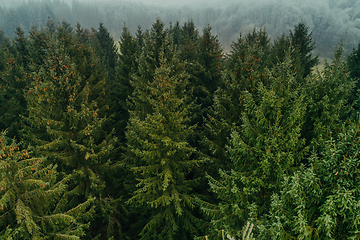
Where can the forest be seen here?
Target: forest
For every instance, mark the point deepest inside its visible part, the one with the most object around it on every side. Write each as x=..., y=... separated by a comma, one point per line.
x=330, y=21
x=163, y=135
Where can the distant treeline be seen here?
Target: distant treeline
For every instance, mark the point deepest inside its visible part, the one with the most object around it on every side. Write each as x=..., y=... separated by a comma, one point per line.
x=330, y=21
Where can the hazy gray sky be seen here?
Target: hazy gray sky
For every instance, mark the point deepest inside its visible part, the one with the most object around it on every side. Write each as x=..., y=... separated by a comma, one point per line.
x=172, y=2
x=199, y=3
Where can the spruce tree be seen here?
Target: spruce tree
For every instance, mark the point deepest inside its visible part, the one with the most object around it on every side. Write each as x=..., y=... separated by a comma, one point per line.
x=29, y=197
x=65, y=125
x=320, y=201
x=266, y=148
x=208, y=77
x=245, y=70
x=160, y=156
x=328, y=93
x=13, y=83
x=302, y=44
x=106, y=51
x=121, y=88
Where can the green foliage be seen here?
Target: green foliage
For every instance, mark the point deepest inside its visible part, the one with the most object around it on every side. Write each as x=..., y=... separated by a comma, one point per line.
x=64, y=124
x=106, y=51
x=302, y=44
x=160, y=156
x=245, y=71
x=13, y=82
x=182, y=110
x=29, y=195
x=267, y=148
x=320, y=201
x=353, y=64
x=328, y=93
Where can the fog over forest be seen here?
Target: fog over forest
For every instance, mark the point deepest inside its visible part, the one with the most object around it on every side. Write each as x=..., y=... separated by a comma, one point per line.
x=329, y=20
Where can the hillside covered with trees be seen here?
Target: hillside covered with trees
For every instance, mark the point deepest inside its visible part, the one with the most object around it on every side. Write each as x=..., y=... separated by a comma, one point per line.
x=164, y=136
x=330, y=21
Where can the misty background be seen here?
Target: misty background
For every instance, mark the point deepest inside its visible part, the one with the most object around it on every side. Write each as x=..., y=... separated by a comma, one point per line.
x=330, y=21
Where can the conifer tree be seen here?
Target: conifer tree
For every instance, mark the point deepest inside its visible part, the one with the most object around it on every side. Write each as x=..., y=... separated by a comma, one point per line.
x=301, y=42
x=280, y=49
x=106, y=51
x=148, y=61
x=208, y=77
x=65, y=125
x=13, y=83
x=161, y=158
x=328, y=93
x=320, y=201
x=353, y=64
x=29, y=197
x=245, y=70
x=267, y=147
x=121, y=88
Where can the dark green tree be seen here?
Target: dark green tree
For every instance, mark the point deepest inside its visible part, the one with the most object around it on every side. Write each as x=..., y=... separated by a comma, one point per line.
x=353, y=65
x=161, y=158
x=303, y=46
x=266, y=148
x=29, y=197
x=245, y=71
x=320, y=201
x=65, y=125
x=121, y=88
x=106, y=51
x=327, y=93
x=15, y=60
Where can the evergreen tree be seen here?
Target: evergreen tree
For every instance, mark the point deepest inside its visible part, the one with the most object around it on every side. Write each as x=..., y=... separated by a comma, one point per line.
x=320, y=201
x=267, y=148
x=209, y=74
x=245, y=70
x=106, y=51
x=122, y=88
x=29, y=198
x=148, y=61
x=328, y=93
x=13, y=83
x=66, y=127
x=280, y=49
x=301, y=42
x=353, y=64
x=161, y=158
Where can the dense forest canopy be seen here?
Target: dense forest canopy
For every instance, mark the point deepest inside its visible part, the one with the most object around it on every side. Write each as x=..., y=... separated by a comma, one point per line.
x=329, y=20
x=162, y=134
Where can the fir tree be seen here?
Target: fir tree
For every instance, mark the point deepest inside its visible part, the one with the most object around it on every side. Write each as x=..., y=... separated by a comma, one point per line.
x=353, y=64
x=208, y=80
x=161, y=158
x=122, y=88
x=280, y=49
